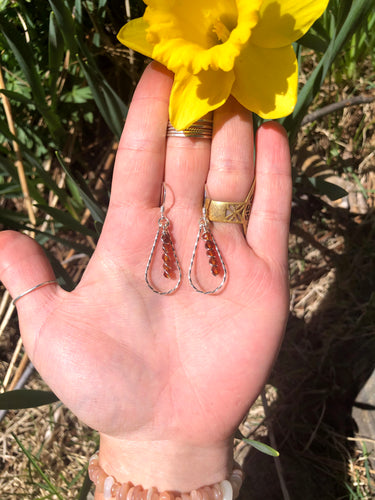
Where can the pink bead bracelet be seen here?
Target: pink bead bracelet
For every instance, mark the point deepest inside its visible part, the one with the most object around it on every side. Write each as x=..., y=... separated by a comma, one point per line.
x=110, y=488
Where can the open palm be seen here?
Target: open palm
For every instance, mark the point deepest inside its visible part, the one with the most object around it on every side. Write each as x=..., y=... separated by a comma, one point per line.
x=137, y=365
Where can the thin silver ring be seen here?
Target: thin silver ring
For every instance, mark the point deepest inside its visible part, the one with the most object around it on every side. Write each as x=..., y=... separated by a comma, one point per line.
x=40, y=285
x=201, y=129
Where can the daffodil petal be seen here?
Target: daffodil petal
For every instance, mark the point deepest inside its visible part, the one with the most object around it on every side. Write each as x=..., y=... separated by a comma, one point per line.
x=134, y=36
x=282, y=22
x=266, y=81
x=193, y=96
x=199, y=34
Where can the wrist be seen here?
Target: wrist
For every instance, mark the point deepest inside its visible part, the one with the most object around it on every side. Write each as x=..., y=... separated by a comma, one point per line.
x=165, y=465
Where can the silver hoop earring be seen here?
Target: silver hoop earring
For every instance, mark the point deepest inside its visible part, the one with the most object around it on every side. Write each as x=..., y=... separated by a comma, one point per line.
x=214, y=257
x=170, y=267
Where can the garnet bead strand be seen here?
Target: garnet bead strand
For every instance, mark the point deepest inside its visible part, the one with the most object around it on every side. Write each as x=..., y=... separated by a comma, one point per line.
x=167, y=257
x=212, y=253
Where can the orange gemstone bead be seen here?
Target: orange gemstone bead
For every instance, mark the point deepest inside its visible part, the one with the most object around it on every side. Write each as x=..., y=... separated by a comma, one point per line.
x=215, y=270
x=166, y=238
x=167, y=256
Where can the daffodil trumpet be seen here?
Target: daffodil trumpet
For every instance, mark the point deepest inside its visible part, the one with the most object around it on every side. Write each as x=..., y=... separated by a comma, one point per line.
x=218, y=48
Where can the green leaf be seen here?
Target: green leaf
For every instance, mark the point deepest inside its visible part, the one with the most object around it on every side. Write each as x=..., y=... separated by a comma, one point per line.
x=264, y=448
x=65, y=281
x=314, y=42
x=87, y=197
x=111, y=107
x=18, y=222
x=12, y=219
x=67, y=220
x=25, y=57
x=78, y=247
x=78, y=95
x=4, y=4
x=318, y=29
x=86, y=487
x=19, y=399
x=16, y=96
x=333, y=191
x=78, y=10
x=66, y=23
x=56, y=50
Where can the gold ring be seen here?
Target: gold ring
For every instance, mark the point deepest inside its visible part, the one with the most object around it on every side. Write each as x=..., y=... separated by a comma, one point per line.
x=231, y=212
x=201, y=129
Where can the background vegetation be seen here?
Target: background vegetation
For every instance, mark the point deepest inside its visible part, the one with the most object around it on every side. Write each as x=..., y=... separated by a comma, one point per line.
x=65, y=84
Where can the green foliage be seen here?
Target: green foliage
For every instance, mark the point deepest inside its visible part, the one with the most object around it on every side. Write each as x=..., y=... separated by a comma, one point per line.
x=343, y=39
x=56, y=58
x=18, y=399
x=331, y=33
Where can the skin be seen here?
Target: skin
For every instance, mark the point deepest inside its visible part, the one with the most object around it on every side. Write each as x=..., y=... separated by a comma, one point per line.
x=166, y=379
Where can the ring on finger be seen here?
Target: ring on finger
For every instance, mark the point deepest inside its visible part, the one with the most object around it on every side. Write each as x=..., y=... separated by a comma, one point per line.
x=36, y=287
x=231, y=212
x=201, y=129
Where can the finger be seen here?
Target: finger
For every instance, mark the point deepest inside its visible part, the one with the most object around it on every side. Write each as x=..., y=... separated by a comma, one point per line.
x=139, y=166
x=231, y=167
x=186, y=166
x=23, y=265
x=269, y=220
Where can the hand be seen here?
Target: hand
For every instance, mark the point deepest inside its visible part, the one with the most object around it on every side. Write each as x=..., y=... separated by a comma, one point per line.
x=172, y=376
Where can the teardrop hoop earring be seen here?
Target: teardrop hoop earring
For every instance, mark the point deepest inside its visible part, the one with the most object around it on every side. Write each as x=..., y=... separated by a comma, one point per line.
x=214, y=256
x=170, y=263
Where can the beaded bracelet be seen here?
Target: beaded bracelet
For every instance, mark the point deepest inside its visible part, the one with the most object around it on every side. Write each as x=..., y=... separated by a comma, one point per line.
x=225, y=490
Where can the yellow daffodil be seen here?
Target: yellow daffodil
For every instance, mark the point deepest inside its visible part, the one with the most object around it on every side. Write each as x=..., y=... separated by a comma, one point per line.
x=221, y=47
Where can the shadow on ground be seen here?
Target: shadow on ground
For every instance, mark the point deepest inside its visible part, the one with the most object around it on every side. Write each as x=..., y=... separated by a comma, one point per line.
x=323, y=364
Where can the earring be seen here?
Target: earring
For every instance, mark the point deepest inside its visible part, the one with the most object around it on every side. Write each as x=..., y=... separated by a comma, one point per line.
x=215, y=260
x=170, y=264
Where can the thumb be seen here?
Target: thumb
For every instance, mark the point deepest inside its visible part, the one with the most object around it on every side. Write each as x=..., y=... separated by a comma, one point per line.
x=23, y=265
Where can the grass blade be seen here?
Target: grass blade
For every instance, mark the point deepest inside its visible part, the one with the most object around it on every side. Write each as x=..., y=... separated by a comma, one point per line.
x=85, y=490
x=264, y=448
x=48, y=485
x=88, y=199
x=24, y=55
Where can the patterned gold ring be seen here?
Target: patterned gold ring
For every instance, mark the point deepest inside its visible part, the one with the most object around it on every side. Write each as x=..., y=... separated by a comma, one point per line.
x=231, y=212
